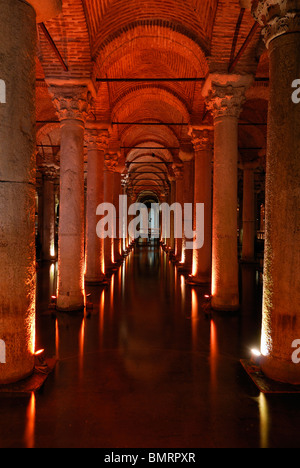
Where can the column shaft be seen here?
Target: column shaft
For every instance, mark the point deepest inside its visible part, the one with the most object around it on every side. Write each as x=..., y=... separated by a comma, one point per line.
x=248, y=252
x=225, y=95
x=17, y=190
x=202, y=257
x=97, y=143
x=281, y=318
x=71, y=222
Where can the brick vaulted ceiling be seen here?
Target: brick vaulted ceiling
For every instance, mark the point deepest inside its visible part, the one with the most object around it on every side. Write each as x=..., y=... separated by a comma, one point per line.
x=153, y=39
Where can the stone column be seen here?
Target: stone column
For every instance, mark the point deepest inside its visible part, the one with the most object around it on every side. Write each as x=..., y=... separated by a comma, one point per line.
x=72, y=108
x=248, y=248
x=178, y=172
x=17, y=189
x=281, y=314
x=97, y=143
x=50, y=175
x=111, y=162
x=225, y=95
x=202, y=258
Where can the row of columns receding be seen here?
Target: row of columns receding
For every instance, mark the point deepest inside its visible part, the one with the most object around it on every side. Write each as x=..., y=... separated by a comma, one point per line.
x=225, y=96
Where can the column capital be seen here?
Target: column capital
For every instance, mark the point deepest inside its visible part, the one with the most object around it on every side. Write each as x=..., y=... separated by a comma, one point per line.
x=111, y=160
x=178, y=171
x=225, y=94
x=50, y=171
x=46, y=9
x=202, y=139
x=97, y=139
x=278, y=17
x=71, y=102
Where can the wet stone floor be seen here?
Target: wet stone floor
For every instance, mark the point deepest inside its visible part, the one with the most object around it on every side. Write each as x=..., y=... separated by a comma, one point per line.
x=149, y=367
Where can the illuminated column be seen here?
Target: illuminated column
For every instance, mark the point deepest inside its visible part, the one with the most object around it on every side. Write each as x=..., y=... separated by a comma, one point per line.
x=248, y=251
x=17, y=189
x=202, y=257
x=178, y=172
x=97, y=142
x=111, y=162
x=72, y=105
x=225, y=95
x=187, y=156
x=125, y=240
x=117, y=241
x=281, y=314
x=50, y=175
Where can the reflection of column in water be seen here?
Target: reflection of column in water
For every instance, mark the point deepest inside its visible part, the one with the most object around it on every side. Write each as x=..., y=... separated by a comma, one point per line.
x=101, y=318
x=264, y=421
x=81, y=347
x=183, y=292
x=194, y=319
x=213, y=356
x=29, y=436
x=112, y=290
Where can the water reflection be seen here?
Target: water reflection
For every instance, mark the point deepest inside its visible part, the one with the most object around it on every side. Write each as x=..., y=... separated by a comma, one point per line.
x=29, y=437
x=264, y=421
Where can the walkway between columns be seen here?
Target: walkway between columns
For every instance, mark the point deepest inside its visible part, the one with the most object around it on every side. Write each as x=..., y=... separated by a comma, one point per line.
x=148, y=369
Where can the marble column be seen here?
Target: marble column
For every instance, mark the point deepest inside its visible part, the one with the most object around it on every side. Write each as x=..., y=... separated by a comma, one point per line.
x=72, y=104
x=248, y=247
x=97, y=143
x=111, y=162
x=17, y=190
x=225, y=95
x=202, y=257
x=50, y=175
x=281, y=314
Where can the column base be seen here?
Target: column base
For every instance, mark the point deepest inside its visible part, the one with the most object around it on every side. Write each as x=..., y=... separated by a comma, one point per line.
x=70, y=303
x=281, y=370
x=199, y=280
x=95, y=280
x=225, y=304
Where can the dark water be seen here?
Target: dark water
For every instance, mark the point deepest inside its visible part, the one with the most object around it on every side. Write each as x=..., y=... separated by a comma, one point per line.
x=148, y=367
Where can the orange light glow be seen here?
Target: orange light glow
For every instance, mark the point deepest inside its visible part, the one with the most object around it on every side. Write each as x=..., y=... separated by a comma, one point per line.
x=30, y=422
x=38, y=353
x=56, y=339
x=81, y=346
x=194, y=318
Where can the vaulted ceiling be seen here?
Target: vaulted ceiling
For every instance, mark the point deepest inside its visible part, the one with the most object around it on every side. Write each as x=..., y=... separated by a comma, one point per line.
x=157, y=41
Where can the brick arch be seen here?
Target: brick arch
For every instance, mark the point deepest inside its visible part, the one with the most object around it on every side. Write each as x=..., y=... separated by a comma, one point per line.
x=106, y=17
x=131, y=134
x=160, y=37
x=161, y=104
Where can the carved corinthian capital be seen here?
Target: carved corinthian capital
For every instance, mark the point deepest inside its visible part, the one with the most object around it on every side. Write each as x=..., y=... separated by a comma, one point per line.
x=71, y=103
x=97, y=139
x=178, y=171
x=202, y=140
x=111, y=161
x=225, y=94
x=277, y=16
